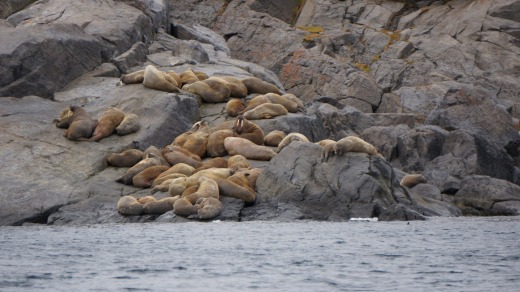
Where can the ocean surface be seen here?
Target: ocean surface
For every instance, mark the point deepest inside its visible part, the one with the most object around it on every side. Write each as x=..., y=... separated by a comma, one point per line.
x=440, y=254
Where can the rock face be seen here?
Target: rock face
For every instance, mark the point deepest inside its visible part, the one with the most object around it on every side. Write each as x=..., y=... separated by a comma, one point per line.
x=82, y=35
x=433, y=85
x=349, y=186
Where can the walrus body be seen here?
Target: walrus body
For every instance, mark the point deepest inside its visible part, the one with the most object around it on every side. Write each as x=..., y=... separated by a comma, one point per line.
x=151, y=160
x=133, y=78
x=236, y=87
x=209, y=208
x=248, y=149
x=127, y=158
x=248, y=130
x=107, y=123
x=291, y=137
x=257, y=85
x=349, y=144
x=411, y=180
x=144, y=179
x=130, y=124
x=156, y=79
x=274, y=138
x=65, y=119
x=81, y=125
x=265, y=111
x=128, y=205
x=215, y=146
x=235, y=106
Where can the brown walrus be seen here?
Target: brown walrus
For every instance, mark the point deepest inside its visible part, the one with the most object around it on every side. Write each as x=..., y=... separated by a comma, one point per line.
x=411, y=180
x=127, y=158
x=235, y=106
x=237, y=88
x=81, y=125
x=151, y=160
x=209, y=208
x=159, y=80
x=274, y=138
x=207, y=187
x=133, y=78
x=248, y=130
x=159, y=207
x=130, y=124
x=107, y=123
x=215, y=146
x=257, y=85
x=65, y=119
x=348, y=144
x=266, y=111
x=144, y=179
x=291, y=137
x=248, y=149
x=128, y=205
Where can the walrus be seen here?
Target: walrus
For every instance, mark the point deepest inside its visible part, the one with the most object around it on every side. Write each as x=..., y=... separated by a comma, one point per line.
x=238, y=188
x=177, y=186
x=411, y=180
x=127, y=158
x=219, y=85
x=274, y=138
x=235, y=106
x=183, y=207
x=175, y=76
x=159, y=207
x=151, y=160
x=215, y=146
x=257, y=85
x=183, y=137
x=133, y=78
x=162, y=186
x=252, y=176
x=197, y=142
x=156, y=79
x=209, y=208
x=248, y=130
x=350, y=144
x=237, y=88
x=188, y=77
x=130, y=124
x=248, y=149
x=175, y=148
x=291, y=137
x=294, y=99
x=153, y=149
x=209, y=173
x=81, y=125
x=144, y=178
x=206, y=91
x=146, y=199
x=207, y=187
x=290, y=105
x=256, y=101
x=128, y=205
x=161, y=179
x=266, y=111
x=217, y=162
x=236, y=162
x=179, y=168
x=107, y=123
x=175, y=157
x=325, y=142
x=328, y=150
x=65, y=119
x=201, y=75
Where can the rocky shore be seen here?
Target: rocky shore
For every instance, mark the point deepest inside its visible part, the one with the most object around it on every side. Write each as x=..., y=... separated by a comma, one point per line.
x=433, y=85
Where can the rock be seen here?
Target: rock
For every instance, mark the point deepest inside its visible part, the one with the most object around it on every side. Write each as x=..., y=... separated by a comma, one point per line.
x=487, y=196
x=464, y=154
x=133, y=57
x=9, y=7
x=201, y=34
x=319, y=190
x=62, y=172
x=42, y=51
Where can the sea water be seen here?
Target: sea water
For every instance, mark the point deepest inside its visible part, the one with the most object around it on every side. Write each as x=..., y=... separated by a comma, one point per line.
x=440, y=254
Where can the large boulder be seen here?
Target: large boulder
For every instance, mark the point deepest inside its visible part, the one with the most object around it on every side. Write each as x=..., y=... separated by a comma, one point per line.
x=486, y=196
x=53, y=42
x=351, y=185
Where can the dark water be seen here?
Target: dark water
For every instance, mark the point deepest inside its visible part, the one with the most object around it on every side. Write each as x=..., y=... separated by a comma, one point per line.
x=443, y=254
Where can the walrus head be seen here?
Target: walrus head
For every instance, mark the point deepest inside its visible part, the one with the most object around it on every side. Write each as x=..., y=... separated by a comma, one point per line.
x=239, y=124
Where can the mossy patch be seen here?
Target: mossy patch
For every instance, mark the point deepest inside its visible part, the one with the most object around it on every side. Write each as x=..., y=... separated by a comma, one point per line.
x=363, y=67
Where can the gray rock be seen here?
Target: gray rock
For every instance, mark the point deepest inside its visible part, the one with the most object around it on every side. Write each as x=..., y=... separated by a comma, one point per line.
x=56, y=41
x=201, y=34
x=326, y=191
x=134, y=56
x=486, y=196
x=9, y=7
